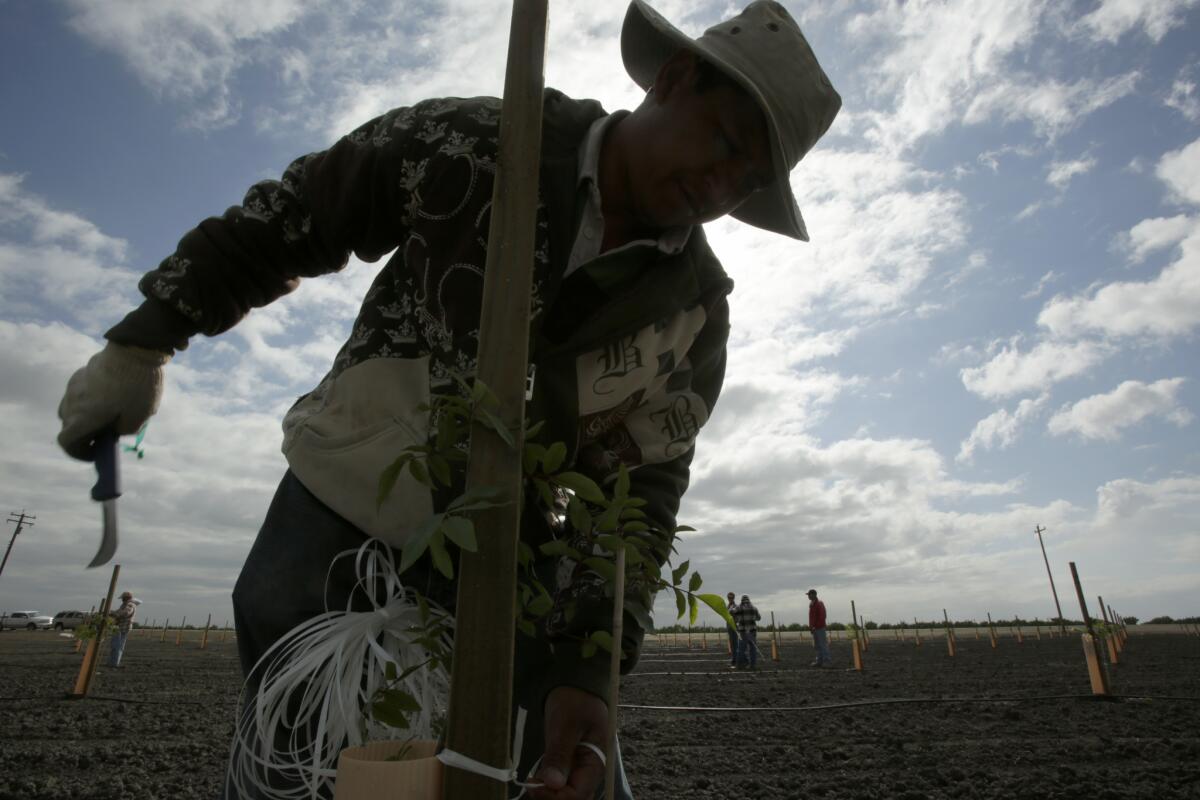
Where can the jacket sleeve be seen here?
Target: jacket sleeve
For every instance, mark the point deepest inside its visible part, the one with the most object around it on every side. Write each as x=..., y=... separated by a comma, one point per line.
x=355, y=197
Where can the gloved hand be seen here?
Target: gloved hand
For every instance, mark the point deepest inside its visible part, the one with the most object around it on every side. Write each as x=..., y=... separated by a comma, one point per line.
x=118, y=388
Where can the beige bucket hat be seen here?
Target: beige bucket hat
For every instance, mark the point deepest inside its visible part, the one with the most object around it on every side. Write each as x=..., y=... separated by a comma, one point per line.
x=764, y=52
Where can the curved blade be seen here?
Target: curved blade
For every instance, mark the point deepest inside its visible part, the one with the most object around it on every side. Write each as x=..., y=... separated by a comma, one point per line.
x=106, y=491
x=108, y=542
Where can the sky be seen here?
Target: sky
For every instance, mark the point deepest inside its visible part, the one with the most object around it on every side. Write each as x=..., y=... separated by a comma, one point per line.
x=988, y=332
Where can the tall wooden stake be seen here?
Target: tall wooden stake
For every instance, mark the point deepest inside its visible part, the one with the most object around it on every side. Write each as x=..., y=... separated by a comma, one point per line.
x=92, y=655
x=949, y=634
x=1091, y=645
x=1061, y=622
x=479, y=724
x=204, y=639
x=614, y=685
x=163, y=637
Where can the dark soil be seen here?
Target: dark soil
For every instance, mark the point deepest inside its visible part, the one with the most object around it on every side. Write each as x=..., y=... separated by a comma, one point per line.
x=1016, y=722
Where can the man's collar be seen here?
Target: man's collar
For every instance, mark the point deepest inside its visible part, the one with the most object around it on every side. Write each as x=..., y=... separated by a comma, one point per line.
x=670, y=240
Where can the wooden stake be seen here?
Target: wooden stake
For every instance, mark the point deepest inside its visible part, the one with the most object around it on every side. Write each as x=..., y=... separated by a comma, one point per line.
x=855, y=646
x=917, y=631
x=774, y=639
x=1091, y=646
x=614, y=685
x=163, y=637
x=204, y=639
x=949, y=634
x=992, y=630
x=91, y=656
x=479, y=723
x=862, y=627
x=179, y=632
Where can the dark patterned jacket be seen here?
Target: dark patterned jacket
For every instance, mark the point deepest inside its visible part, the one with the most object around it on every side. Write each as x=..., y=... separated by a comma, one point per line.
x=628, y=352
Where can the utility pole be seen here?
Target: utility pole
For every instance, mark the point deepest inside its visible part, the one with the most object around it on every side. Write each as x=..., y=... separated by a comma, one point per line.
x=1062, y=624
x=22, y=521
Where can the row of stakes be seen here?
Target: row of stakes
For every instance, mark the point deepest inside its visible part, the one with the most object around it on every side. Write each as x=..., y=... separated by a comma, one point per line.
x=91, y=657
x=1113, y=638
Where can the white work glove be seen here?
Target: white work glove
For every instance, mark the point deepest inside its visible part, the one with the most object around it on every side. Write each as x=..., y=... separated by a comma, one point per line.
x=118, y=388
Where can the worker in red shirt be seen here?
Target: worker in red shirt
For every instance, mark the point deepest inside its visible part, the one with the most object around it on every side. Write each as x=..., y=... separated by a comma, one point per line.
x=816, y=624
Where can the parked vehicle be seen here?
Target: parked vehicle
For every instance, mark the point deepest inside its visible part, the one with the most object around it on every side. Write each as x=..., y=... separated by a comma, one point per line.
x=29, y=620
x=69, y=620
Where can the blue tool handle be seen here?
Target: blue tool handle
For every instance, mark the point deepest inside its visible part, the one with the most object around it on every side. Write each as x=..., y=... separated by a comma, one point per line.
x=108, y=475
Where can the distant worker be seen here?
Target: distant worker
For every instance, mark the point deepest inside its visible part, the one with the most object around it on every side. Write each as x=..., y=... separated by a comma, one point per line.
x=747, y=618
x=731, y=630
x=816, y=624
x=123, y=617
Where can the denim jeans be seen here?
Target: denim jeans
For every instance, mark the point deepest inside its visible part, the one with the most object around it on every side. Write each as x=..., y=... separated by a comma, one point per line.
x=821, y=643
x=748, y=648
x=116, y=648
x=284, y=582
x=733, y=645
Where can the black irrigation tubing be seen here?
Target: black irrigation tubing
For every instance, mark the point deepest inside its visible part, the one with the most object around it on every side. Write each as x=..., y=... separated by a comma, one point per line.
x=904, y=700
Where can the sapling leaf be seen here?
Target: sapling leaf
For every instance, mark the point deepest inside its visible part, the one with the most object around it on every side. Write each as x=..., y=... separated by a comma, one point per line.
x=384, y=713
x=717, y=604
x=694, y=582
x=559, y=547
x=389, y=671
x=581, y=485
x=530, y=456
x=526, y=627
x=544, y=492
x=400, y=700
x=622, y=488
x=555, y=454
x=587, y=650
x=680, y=603
x=480, y=392
x=540, y=605
x=693, y=609
x=418, y=541
x=417, y=469
x=534, y=429
x=603, y=640
x=388, y=478
x=440, y=468
x=678, y=573
x=441, y=558
x=682, y=528
x=461, y=531
x=579, y=516
x=629, y=512
x=610, y=542
x=636, y=526
x=602, y=567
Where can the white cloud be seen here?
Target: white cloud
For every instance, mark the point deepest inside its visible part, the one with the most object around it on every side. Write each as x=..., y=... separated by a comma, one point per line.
x=187, y=52
x=1114, y=18
x=1011, y=372
x=1183, y=98
x=1060, y=173
x=1164, y=307
x=1150, y=235
x=1180, y=170
x=1105, y=416
x=1052, y=106
x=999, y=430
x=1044, y=281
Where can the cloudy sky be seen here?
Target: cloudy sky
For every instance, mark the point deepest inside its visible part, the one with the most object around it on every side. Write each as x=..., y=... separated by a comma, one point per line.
x=989, y=331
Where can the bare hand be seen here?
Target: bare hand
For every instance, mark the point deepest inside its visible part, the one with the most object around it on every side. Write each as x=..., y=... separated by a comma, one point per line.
x=568, y=771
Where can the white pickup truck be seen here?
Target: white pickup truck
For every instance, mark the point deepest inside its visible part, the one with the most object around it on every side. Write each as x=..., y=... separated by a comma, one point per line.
x=29, y=620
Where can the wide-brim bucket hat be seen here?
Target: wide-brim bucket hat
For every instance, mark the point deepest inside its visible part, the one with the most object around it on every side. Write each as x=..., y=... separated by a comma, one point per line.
x=764, y=52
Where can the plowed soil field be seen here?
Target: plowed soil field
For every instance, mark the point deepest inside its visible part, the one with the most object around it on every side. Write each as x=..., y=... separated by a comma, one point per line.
x=1017, y=721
